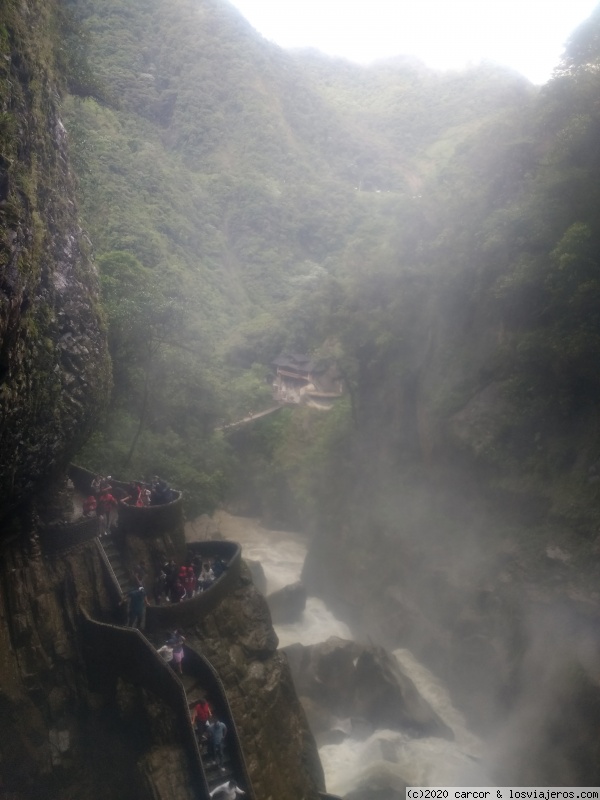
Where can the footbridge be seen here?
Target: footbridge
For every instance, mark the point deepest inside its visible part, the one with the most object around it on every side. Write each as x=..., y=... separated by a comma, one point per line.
x=250, y=417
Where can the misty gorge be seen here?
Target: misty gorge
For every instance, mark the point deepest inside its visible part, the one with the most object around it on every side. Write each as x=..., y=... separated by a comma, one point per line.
x=351, y=315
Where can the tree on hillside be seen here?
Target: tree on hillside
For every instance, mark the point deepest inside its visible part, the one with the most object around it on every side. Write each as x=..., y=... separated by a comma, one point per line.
x=582, y=51
x=143, y=322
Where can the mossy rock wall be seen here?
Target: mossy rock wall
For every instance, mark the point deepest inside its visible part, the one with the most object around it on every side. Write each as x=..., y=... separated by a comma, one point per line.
x=54, y=368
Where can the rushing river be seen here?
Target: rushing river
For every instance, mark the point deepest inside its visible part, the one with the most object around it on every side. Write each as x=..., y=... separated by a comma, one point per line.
x=385, y=758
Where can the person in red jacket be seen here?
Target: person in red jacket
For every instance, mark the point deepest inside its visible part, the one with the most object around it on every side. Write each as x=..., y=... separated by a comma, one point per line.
x=105, y=505
x=201, y=713
x=190, y=582
x=89, y=506
x=134, y=498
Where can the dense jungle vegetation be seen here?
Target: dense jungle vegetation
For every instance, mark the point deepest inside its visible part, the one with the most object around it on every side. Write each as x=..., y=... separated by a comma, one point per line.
x=437, y=235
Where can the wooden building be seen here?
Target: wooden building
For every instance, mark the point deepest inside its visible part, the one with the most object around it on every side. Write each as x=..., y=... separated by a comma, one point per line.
x=298, y=380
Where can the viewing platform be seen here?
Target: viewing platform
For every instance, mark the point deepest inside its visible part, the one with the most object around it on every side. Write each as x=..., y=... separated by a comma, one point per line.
x=145, y=520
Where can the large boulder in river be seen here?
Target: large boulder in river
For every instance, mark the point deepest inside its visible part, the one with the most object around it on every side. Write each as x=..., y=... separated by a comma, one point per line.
x=287, y=604
x=345, y=679
x=258, y=575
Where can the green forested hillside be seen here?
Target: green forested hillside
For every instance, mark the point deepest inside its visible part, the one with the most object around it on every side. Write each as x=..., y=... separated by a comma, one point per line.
x=465, y=317
x=432, y=233
x=190, y=164
x=473, y=340
x=247, y=190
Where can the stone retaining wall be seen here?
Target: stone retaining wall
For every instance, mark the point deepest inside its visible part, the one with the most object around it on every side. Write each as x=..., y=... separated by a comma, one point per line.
x=152, y=520
x=63, y=536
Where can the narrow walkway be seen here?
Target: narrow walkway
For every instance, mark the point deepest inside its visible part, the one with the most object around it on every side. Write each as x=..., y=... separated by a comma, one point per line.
x=122, y=575
x=249, y=418
x=195, y=669
x=195, y=691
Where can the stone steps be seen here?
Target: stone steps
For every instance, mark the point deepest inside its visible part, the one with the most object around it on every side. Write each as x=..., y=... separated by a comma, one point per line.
x=214, y=774
x=122, y=574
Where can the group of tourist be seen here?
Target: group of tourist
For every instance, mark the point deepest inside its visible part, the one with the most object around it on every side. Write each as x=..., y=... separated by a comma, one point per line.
x=174, y=584
x=102, y=503
x=171, y=585
x=209, y=729
x=207, y=726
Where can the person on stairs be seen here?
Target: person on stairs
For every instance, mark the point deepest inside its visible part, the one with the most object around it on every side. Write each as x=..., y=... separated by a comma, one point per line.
x=137, y=607
x=226, y=791
x=166, y=653
x=176, y=641
x=89, y=506
x=201, y=713
x=105, y=505
x=217, y=731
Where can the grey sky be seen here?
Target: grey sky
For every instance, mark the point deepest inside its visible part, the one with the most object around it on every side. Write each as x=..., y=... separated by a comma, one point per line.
x=527, y=35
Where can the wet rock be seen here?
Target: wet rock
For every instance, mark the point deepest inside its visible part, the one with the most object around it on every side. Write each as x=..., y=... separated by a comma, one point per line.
x=345, y=679
x=258, y=575
x=202, y=528
x=57, y=701
x=288, y=604
x=320, y=719
x=165, y=775
x=54, y=366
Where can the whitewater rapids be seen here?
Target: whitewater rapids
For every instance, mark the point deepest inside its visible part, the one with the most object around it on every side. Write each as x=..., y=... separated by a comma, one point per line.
x=383, y=759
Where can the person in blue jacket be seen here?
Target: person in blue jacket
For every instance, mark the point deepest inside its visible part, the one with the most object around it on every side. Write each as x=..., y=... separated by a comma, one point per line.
x=217, y=731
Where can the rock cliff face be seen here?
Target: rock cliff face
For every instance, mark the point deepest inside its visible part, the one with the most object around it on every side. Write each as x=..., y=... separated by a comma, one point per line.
x=54, y=376
x=45, y=693
x=54, y=373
